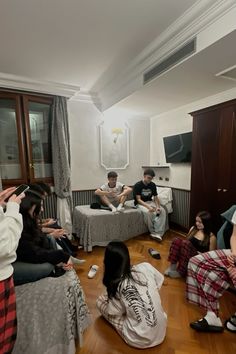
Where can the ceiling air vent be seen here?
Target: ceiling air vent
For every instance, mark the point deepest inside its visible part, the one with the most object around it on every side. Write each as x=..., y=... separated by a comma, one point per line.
x=170, y=61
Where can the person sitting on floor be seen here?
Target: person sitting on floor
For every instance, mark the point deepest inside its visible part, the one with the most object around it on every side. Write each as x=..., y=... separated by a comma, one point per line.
x=209, y=275
x=36, y=253
x=132, y=302
x=200, y=239
x=146, y=199
x=113, y=194
x=10, y=232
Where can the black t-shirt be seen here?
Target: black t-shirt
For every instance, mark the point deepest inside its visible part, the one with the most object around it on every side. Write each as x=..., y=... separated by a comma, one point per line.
x=146, y=191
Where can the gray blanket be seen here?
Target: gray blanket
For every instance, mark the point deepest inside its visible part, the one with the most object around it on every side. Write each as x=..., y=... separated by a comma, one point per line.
x=97, y=227
x=51, y=315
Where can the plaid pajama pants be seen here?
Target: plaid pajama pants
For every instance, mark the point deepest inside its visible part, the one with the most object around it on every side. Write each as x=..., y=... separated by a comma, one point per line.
x=207, y=279
x=7, y=316
x=180, y=252
x=115, y=320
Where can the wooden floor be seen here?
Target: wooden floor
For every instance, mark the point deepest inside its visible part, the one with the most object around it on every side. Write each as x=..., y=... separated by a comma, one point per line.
x=101, y=338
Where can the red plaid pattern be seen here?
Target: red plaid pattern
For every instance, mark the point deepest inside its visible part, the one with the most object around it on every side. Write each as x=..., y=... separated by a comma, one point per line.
x=114, y=320
x=180, y=252
x=7, y=316
x=207, y=279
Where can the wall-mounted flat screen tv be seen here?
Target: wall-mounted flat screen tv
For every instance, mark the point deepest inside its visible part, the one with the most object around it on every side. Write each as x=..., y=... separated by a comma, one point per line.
x=178, y=148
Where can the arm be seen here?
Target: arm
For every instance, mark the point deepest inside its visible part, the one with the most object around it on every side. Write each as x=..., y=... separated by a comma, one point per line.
x=157, y=202
x=233, y=241
x=10, y=222
x=232, y=256
x=101, y=192
x=141, y=202
x=10, y=229
x=190, y=230
x=212, y=242
x=126, y=191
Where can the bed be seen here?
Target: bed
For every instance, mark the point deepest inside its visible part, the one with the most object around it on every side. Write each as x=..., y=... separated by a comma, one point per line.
x=51, y=316
x=97, y=227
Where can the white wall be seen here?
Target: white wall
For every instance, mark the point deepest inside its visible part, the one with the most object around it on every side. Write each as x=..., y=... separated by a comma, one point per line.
x=87, y=173
x=175, y=122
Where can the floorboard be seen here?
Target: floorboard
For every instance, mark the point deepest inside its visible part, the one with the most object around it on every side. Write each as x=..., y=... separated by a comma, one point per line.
x=101, y=338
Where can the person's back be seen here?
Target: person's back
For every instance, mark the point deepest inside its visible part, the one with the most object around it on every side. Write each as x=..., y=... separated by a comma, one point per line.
x=132, y=303
x=145, y=321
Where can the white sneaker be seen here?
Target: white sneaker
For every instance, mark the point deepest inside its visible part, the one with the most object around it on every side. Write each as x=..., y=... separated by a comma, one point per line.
x=156, y=236
x=113, y=210
x=93, y=271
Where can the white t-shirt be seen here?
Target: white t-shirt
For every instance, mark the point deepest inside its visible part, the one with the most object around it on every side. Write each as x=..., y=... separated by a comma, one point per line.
x=145, y=320
x=117, y=190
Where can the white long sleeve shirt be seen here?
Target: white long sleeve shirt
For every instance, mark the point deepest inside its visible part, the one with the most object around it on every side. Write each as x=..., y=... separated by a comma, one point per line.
x=140, y=306
x=10, y=231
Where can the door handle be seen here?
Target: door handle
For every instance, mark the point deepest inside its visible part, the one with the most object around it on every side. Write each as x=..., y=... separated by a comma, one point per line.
x=219, y=189
x=224, y=190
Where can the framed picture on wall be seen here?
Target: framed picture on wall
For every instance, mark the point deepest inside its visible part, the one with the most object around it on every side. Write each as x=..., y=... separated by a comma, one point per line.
x=114, y=146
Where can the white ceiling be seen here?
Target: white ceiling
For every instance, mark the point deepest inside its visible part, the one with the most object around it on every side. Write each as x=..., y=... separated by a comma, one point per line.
x=190, y=81
x=88, y=43
x=80, y=42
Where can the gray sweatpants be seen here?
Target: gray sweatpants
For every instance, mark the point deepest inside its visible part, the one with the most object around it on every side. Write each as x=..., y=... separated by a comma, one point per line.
x=155, y=224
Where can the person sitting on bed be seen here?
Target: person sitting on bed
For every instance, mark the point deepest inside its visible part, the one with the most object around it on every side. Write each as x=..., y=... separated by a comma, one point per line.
x=113, y=194
x=36, y=254
x=51, y=227
x=146, y=199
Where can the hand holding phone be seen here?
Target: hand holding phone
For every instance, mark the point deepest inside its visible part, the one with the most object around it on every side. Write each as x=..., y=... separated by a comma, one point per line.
x=5, y=194
x=17, y=192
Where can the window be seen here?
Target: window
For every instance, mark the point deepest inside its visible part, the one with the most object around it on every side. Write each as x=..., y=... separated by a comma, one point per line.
x=25, y=138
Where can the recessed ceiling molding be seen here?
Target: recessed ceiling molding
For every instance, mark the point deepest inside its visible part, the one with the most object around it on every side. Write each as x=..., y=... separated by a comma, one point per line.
x=229, y=73
x=193, y=21
x=23, y=83
x=87, y=97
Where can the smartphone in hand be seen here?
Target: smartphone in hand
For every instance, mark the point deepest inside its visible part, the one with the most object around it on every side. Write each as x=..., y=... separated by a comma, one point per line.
x=21, y=189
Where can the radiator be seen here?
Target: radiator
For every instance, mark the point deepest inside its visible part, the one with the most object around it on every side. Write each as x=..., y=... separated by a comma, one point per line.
x=181, y=207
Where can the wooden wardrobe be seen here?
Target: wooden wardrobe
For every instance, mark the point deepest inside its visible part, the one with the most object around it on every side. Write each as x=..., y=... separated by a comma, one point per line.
x=213, y=177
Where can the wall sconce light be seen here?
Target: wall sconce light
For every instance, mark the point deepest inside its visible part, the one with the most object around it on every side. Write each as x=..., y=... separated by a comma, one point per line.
x=116, y=132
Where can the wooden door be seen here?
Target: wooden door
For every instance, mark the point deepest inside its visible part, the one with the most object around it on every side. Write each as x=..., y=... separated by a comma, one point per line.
x=205, y=151
x=227, y=159
x=214, y=161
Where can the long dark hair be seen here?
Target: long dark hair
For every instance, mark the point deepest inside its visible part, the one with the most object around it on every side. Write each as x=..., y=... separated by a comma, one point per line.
x=116, y=266
x=205, y=217
x=30, y=223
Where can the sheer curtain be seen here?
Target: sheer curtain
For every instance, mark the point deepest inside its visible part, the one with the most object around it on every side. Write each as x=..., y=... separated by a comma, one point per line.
x=61, y=161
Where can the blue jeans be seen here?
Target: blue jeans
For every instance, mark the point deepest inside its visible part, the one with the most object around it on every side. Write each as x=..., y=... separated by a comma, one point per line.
x=29, y=272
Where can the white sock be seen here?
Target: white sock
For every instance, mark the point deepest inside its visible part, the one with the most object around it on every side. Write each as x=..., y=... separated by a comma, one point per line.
x=173, y=266
x=212, y=319
x=113, y=209
x=120, y=206
x=77, y=260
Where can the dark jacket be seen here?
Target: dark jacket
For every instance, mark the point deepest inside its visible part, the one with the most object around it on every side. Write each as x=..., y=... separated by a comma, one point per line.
x=37, y=248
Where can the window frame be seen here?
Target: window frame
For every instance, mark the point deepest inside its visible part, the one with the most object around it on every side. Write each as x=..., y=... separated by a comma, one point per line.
x=22, y=100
